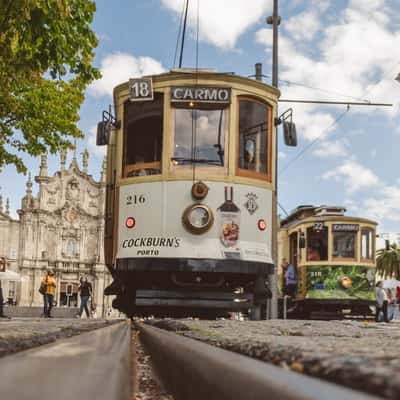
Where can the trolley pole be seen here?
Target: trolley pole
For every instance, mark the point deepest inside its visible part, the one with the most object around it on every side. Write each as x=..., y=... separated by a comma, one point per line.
x=275, y=21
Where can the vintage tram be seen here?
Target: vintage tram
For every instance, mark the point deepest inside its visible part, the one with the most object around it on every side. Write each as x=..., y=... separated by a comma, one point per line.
x=190, y=193
x=334, y=255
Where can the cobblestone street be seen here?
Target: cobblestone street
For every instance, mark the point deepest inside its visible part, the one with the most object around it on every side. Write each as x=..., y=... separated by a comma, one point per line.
x=361, y=355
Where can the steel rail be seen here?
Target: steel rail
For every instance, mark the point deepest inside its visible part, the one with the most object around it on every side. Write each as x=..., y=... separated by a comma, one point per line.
x=190, y=369
x=93, y=365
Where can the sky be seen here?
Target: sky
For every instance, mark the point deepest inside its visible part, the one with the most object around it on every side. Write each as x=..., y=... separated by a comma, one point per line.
x=334, y=50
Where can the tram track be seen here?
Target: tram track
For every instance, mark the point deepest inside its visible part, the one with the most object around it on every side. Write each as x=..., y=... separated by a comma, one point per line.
x=93, y=365
x=190, y=369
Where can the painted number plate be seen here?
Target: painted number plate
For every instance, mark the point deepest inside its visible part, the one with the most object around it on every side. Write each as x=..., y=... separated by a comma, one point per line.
x=140, y=89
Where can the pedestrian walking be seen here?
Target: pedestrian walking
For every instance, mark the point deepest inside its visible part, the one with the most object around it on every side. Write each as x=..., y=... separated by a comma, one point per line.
x=290, y=280
x=49, y=285
x=85, y=291
x=381, y=302
x=1, y=303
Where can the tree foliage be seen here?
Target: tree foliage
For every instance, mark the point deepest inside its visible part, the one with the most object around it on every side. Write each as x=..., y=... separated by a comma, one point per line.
x=46, y=54
x=388, y=262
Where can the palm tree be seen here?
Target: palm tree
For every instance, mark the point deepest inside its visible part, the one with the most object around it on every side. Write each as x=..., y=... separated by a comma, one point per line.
x=388, y=262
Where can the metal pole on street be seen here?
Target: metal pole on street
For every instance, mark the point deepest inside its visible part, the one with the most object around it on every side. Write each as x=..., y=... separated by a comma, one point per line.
x=275, y=20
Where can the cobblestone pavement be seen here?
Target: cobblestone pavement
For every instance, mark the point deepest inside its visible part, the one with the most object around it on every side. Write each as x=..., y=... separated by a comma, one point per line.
x=361, y=355
x=24, y=333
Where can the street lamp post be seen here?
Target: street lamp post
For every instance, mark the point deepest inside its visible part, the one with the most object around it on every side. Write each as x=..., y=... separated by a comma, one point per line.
x=275, y=20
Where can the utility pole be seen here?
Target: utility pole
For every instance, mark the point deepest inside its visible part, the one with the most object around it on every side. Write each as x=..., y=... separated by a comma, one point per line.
x=275, y=20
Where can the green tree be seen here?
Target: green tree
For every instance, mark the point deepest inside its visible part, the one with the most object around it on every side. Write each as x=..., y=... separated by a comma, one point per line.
x=46, y=54
x=388, y=262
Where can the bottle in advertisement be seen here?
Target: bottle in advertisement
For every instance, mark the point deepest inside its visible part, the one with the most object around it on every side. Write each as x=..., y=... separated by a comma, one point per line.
x=229, y=225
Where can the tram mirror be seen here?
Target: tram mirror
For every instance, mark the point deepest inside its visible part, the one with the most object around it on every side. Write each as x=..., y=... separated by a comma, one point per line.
x=103, y=133
x=289, y=133
x=302, y=242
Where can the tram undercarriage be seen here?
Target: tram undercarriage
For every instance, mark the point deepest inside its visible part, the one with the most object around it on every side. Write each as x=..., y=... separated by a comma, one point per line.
x=189, y=288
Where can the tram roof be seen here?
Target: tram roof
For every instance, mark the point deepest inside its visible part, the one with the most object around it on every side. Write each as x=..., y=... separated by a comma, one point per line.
x=203, y=74
x=310, y=213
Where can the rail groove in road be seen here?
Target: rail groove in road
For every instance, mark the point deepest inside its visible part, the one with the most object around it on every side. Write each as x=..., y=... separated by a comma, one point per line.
x=193, y=370
x=93, y=365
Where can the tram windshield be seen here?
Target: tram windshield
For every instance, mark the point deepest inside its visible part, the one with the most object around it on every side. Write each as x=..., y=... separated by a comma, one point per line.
x=199, y=137
x=344, y=244
x=143, y=126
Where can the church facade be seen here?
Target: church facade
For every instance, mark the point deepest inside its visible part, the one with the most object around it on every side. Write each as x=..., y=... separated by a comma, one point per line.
x=62, y=229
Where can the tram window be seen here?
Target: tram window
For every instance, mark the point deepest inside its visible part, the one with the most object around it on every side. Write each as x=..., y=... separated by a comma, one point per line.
x=366, y=244
x=317, y=244
x=143, y=127
x=202, y=130
x=344, y=244
x=253, y=138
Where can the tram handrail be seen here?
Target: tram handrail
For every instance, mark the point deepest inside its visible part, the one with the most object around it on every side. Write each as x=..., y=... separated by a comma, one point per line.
x=190, y=369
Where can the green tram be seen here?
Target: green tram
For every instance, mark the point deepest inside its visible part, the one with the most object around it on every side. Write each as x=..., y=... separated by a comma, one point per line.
x=334, y=255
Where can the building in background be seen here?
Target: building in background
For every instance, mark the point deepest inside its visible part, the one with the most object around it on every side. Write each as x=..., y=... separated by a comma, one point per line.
x=62, y=229
x=393, y=237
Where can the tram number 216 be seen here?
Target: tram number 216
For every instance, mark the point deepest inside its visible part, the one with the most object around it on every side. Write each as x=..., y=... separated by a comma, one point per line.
x=135, y=199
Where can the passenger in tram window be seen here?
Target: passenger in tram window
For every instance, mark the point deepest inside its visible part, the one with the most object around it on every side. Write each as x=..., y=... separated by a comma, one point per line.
x=313, y=254
x=48, y=297
x=85, y=290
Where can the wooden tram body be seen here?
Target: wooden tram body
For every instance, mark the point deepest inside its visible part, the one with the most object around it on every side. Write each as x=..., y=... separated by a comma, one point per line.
x=190, y=193
x=335, y=259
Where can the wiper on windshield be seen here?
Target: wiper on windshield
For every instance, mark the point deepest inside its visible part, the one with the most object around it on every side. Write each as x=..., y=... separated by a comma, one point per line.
x=184, y=160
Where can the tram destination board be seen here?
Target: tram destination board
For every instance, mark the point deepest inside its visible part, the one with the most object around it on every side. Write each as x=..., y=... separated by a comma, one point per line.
x=202, y=94
x=345, y=227
x=140, y=89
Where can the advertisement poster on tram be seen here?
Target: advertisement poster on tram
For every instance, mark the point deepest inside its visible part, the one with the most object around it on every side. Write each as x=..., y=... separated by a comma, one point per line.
x=340, y=282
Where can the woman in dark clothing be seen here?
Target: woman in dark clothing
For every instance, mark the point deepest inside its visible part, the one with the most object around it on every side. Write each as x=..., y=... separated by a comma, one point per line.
x=85, y=290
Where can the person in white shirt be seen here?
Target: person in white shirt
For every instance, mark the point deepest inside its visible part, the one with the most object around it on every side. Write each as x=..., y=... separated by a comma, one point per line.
x=381, y=302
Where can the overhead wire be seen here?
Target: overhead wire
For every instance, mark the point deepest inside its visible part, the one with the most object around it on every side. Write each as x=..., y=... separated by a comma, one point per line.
x=179, y=33
x=319, y=137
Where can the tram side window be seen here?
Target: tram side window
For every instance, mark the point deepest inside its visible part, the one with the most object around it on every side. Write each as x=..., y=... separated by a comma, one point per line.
x=253, y=138
x=344, y=244
x=366, y=244
x=199, y=136
x=317, y=244
x=143, y=128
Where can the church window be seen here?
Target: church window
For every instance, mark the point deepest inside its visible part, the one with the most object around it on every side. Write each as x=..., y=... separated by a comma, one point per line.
x=71, y=247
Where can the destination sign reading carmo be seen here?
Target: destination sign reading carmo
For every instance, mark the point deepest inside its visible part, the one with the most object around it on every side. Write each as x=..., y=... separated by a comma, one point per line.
x=200, y=94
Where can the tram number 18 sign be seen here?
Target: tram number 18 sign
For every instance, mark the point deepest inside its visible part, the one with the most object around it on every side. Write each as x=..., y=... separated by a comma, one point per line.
x=140, y=89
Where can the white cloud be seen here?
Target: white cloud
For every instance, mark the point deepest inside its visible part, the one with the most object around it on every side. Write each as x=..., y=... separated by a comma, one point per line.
x=303, y=26
x=97, y=151
x=336, y=148
x=354, y=176
x=118, y=68
x=385, y=205
x=222, y=22
x=354, y=56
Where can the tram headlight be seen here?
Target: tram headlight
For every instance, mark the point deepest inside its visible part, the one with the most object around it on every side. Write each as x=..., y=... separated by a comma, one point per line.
x=197, y=218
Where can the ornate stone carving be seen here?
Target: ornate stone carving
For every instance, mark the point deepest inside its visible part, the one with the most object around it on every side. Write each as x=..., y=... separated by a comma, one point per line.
x=73, y=191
